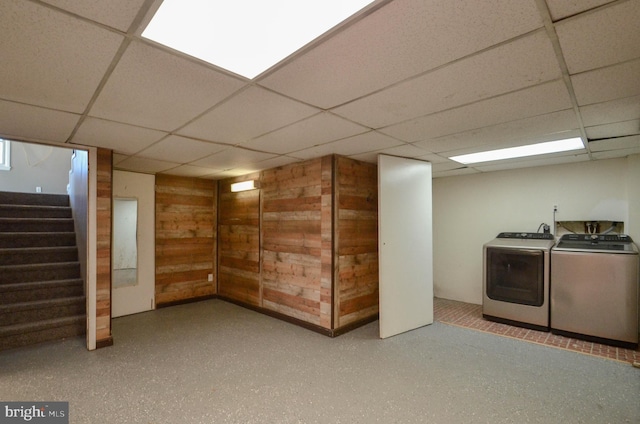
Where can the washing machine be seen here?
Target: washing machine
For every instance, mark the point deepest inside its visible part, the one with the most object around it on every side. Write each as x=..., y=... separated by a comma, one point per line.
x=594, y=288
x=515, y=284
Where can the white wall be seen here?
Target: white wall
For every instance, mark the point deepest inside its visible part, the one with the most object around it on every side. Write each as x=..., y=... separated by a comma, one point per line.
x=633, y=193
x=79, y=199
x=37, y=165
x=471, y=210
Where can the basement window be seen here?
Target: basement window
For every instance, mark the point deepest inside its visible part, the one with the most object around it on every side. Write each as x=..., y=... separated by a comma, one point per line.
x=5, y=155
x=245, y=37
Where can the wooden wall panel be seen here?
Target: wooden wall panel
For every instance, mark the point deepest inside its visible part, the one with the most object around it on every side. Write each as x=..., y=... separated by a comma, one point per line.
x=294, y=240
x=239, y=243
x=103, y=247
x=185, y=238
x=356, y=241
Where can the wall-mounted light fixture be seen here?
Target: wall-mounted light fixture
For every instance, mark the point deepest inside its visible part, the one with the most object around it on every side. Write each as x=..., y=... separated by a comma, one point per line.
x=243, y=186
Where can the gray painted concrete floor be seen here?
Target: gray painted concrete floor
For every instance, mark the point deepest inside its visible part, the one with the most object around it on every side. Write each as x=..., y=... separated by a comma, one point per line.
x=214, y=362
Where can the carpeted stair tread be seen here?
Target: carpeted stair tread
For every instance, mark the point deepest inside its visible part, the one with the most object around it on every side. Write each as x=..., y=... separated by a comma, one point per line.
x=15, y=198
x=35, y=211
x=41, y=310
x=14, y=239
x=36, y=272
x=36, y=224
x=32, y=255
x=34, y=290
x=36, y=304
x=9, y=330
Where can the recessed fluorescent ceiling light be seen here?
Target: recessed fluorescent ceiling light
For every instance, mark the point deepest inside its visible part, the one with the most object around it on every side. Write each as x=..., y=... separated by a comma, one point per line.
x=246, y=37
x=521, y=151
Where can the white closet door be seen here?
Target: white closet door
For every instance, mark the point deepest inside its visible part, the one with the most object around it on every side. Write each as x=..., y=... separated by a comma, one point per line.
x=405, y=244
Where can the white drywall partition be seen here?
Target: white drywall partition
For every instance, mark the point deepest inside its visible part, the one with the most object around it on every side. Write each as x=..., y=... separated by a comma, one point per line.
x=405, y=244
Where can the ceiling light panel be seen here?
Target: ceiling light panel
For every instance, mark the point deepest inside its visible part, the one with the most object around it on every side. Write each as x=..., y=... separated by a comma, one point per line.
x=246, y=37
x=521, y=151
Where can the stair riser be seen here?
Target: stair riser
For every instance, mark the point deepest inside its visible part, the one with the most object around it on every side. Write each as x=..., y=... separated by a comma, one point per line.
x=9, y=241
x=57, y=333
x=7, y=296
x=35, y=225
x=10, y=198
x=25, y=274
x=42, y=313
x=20, y=257
x=8, y=211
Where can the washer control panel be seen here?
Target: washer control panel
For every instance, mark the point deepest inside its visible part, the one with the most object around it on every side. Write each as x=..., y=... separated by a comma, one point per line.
x=524, y=236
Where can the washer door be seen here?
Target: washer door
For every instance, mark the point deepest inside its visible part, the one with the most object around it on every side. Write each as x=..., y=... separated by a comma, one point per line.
x=515, y=276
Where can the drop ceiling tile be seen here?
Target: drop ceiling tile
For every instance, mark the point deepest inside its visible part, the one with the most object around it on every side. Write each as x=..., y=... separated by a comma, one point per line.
x=248, y=114
x=618, y=129
x=35, y=123
x=604, y=37
x=538, y=100
x=433, y=158
x=230, y=173
x=50, y=59
x=620, y=143
x=447, y=165
x=273, y=163
x=180, y=149
x=554, y=126
x=368, y=142
x=613, y=154
x=191, y=171
x=145, y=166
x=117, y=158
x=521, y=63
x=117, y=14
x=152, y=88
x=406, y=150
x=601, y=85
x=613, y=111
x=401, y=39
x=121, y=138
x=562, y=8
x=454, y=172
x=232, y=157
x=318, y=129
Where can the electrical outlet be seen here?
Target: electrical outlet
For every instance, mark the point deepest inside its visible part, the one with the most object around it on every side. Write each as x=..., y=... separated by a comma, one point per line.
x=38, y=189
x=210, y=277
x=555, y=208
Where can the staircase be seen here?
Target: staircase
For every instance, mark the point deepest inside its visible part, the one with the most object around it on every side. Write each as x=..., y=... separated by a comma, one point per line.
x=41, y=289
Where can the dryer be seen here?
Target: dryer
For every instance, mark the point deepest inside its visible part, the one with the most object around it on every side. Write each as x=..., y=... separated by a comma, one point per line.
x=515, y=283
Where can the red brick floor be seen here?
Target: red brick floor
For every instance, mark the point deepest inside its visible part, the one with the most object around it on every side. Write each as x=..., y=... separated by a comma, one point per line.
x=468, y=315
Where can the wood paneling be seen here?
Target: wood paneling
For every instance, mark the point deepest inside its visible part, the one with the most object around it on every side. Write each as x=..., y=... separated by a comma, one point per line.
x=356, y=241
x=296, y=241
x=305, y=244
x=103, y=247
x=239, y=243
x=185, y=238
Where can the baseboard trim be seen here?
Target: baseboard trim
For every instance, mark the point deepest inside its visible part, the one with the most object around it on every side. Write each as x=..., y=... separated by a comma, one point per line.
x=291, y=320
x=185, y=301
x=356, y=324
x=104, y=342
x=280, y=316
